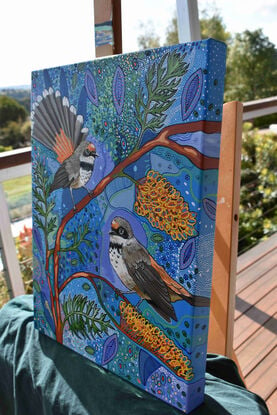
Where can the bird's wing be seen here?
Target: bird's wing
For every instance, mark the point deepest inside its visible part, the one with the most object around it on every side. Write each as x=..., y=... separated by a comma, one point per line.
x=56, y=124
x=178, y=292
x=148, y=280
x=67, y=173
x=170, y=282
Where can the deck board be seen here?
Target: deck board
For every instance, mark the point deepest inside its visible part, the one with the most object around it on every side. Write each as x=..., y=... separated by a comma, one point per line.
x=254, y=350
x=255, y=292
x=272, y=403
x=255, y=329
x=256, y=253
x=254, y=317
x=256, y=270
x=264, y=385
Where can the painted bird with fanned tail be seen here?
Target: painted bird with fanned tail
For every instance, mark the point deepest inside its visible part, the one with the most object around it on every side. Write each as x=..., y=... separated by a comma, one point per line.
x=140, y=273
x=56, y=125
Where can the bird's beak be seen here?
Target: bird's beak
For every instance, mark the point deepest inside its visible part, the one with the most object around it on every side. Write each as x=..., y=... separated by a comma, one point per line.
x=112, y=233
x=114, y=225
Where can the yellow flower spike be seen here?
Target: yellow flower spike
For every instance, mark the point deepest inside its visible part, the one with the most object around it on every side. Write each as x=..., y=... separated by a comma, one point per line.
x=157, y=195
x=155, y=340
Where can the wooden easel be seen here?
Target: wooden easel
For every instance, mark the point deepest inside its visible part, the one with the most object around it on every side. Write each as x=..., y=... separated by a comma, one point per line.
x=226, y=233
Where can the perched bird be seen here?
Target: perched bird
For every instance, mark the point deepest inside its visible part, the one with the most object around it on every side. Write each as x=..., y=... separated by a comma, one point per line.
x=57, y=126
x=139, y=272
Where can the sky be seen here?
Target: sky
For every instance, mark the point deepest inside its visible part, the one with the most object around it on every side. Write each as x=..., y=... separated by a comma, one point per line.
x=36, y=34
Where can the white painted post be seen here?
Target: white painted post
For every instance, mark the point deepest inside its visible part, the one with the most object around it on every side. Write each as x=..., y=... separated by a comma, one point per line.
x=10, y=261
x=188, y=21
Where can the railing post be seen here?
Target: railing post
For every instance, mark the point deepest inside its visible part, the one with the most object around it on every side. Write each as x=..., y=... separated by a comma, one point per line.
x=188, y=21
x=9, y=258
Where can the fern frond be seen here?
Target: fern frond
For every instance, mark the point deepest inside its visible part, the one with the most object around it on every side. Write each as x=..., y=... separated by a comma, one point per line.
x=79, y=237
x=41, y=192
x=161, y=82
x=84, y=317
x=39, y=222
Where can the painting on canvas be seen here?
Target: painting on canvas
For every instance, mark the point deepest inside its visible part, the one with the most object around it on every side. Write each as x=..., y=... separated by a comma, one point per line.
x=125, y=162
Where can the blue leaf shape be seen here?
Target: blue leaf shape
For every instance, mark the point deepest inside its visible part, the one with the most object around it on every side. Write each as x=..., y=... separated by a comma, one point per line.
x=47, y=312
x=191, y=93
x=109, y=349
x=147, y=365
x=210, y=208
x=118, y=90
x=90, y=86
x=187, y=253
x=63, y=84
x=82, y=104
x=37, y=239
x=47, y=79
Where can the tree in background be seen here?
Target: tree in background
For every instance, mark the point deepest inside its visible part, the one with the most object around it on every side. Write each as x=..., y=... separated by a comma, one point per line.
x=11, y=110
x=21, y=95
x=15, y=128
x=172, y=33
x=252, y=58
x=258, y=195
x=211, y=25
x=251, y=67
x=149, y=39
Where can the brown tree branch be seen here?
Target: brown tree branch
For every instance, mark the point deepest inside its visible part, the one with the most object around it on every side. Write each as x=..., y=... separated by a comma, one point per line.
x=198, y=159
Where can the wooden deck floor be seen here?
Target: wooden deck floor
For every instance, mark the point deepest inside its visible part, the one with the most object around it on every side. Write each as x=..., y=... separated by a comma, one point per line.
x=255, y=331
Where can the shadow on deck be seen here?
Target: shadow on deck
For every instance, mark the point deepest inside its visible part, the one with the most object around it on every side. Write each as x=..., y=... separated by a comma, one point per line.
x=255, y=340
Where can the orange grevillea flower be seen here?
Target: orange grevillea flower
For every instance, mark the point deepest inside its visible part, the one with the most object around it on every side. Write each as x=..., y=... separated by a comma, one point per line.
x=162, y=204
x=155, y=340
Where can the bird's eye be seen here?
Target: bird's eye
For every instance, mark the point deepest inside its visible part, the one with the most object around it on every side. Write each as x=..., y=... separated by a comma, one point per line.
x=122, y=232
x=86, y=152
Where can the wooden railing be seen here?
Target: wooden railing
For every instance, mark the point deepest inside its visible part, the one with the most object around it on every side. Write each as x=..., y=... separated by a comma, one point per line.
x=259, y=108
x=13, y=164
x=17, y=163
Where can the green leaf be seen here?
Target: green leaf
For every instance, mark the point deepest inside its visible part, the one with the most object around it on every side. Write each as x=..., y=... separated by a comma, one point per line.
x=51, y=225
x=84, y=317
x=161, y=83
x=156, y=123
x=50, y=207
x=38, y=195
x=39, y=223
x=151, y=74
x=80, y=255
x=39, y=208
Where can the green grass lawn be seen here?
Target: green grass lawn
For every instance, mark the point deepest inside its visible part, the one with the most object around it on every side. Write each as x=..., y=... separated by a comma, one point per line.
x=18, y=194
x=18, y=186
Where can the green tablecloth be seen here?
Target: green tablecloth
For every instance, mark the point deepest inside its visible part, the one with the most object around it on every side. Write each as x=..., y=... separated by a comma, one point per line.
x=39, y=376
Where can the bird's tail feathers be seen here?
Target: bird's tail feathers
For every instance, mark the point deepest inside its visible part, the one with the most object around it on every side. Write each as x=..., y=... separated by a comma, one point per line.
x=167, y=312
x=53, y=116
x=196, y=300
